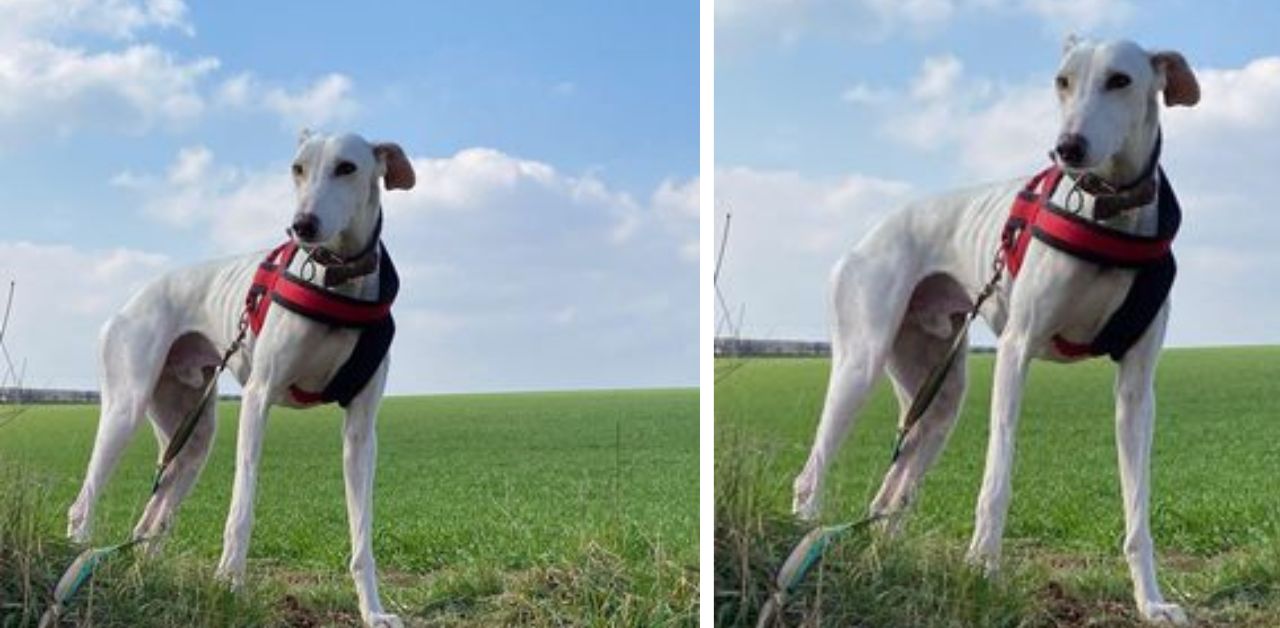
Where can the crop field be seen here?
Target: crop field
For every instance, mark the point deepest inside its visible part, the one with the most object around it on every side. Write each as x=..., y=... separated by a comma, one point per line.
x=1215, y=499
x=574, y=508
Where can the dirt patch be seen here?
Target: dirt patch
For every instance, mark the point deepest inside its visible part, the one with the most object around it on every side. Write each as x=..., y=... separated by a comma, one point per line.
x=1064, y=609
x=295, y=613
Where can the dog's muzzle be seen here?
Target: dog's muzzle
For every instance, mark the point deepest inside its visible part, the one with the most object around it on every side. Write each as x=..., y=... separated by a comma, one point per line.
x=305, y=227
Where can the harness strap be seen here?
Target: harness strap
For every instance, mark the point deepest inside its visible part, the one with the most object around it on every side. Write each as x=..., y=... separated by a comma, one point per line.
x=1034, y=215
x=273, y=283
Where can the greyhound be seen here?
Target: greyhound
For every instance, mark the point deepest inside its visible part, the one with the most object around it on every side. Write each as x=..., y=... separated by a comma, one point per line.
x=159, y=352
x=899, y=297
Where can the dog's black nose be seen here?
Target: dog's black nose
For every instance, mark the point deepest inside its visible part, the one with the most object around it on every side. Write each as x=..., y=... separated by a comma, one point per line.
x=1072, y=148
x=305, y=226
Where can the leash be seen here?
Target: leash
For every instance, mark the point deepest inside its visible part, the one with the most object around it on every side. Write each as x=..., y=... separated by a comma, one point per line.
x=933, y=383
x=813, y=546
x=82, y=568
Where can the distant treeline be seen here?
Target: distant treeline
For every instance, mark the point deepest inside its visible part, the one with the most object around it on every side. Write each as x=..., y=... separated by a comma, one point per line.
x=12, y=396
x=751, y=347
x=46, y=395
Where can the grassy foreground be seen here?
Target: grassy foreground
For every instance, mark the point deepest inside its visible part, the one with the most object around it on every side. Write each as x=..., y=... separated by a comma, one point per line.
x=1215, y=505
x=534, y=509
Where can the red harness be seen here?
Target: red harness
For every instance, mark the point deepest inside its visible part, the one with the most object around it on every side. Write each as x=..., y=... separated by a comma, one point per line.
x=1034, y=215
x=291, y=292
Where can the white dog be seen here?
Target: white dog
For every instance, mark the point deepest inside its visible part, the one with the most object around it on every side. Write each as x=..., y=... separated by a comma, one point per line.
x=159, y=352
x=899, y=297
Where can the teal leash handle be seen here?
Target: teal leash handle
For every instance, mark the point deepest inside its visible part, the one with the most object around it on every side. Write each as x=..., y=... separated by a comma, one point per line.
x=78, y=573
x=802, y=558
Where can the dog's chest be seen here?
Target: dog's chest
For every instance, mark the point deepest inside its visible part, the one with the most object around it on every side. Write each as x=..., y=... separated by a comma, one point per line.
x=1096, y=293
x=297, y=352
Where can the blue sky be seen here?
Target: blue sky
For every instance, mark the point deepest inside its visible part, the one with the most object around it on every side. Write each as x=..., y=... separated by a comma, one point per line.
x=831, y=114
x=549, y=241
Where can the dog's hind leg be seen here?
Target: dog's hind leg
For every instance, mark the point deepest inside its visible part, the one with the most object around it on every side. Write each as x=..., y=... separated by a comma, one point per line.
x=868, y=296
x=187, y=372
x=131, y=357
x=936, y=310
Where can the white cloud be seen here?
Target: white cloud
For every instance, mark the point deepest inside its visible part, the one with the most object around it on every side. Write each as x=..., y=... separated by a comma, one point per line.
x=67, y=89
x=787, y=231
x=53, y=83
x=119, y=19
x=863, y=94
x=63, y=297
x=1242, y=99
x=1064, y=16
x=676, y=206
x=747, y=23
x=938, y=78
x=241, y=209
x=751, y=24
x=996, y=130
x=327, y=100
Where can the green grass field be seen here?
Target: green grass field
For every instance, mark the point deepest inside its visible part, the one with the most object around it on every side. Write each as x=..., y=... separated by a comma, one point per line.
x=1215, y=502
x=575, y=508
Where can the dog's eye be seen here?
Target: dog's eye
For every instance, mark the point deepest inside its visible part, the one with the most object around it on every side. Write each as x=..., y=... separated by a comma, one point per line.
x=1118, y=81
x=297, y=170
x=1062, y=82
x=344, y=168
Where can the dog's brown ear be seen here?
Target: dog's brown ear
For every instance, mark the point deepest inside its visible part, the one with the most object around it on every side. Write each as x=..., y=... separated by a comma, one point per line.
x=396, y=166
x=1180, y=85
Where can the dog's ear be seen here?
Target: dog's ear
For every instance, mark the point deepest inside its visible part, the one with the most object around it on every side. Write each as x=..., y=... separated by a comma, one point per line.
x=1180, y=85
x=398, y=171
x=1069, y=42
x=303, y=136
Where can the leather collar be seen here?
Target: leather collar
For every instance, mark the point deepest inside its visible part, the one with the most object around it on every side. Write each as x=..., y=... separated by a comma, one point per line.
x=1110, y=200
x=339, y=270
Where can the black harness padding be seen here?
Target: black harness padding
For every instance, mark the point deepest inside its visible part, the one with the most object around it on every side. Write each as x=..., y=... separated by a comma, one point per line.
x=273, y=283
x=1150, y=288
x=371, y=348
x=365, y=359
x=1033, y=215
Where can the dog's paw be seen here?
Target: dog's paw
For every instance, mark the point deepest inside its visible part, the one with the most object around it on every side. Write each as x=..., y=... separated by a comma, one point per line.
x=1163, y=613
x=805, y=510
x=78, y=527
x=887, y=525
x=78, y=533
x=805, y=504
x=383, y=620
x=982, y=562
x=231, y=578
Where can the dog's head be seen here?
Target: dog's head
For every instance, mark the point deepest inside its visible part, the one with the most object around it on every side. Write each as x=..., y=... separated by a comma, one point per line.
x=1107, y=92
x=336, y=180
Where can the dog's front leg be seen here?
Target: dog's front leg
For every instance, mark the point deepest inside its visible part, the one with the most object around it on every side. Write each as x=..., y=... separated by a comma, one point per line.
x=1135, y=426
x=359, y=457
x=1013, y=356
x=235, y=538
